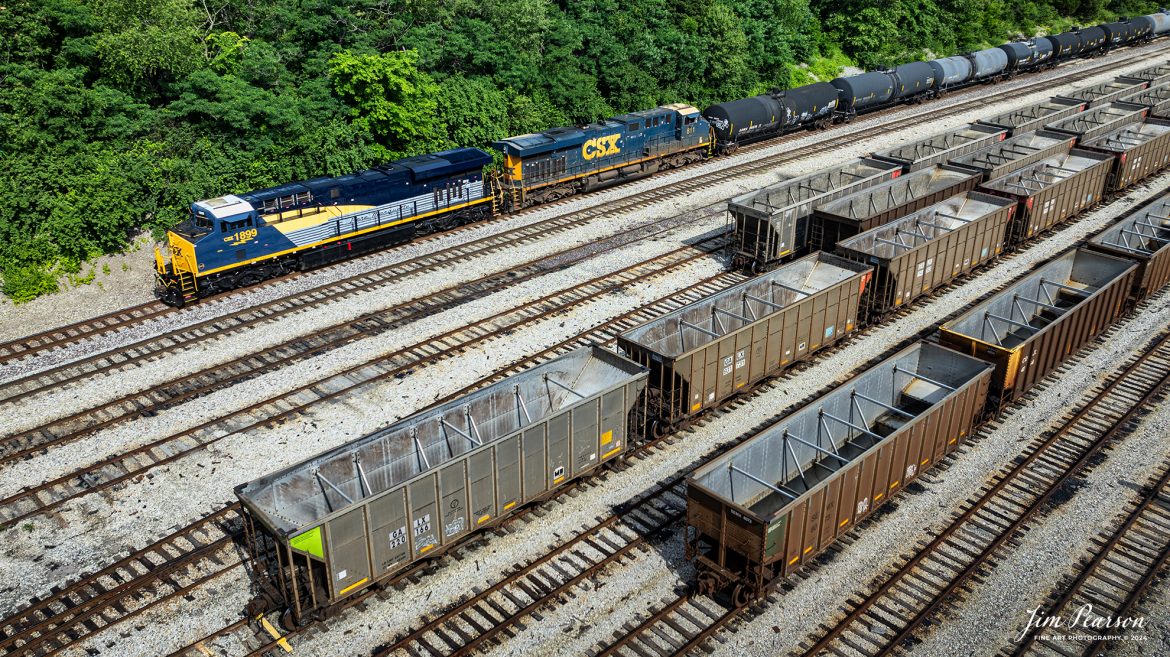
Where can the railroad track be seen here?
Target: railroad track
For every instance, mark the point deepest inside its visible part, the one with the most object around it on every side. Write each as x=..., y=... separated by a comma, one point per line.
x=41, y=623
x=76, y=332
x=133, y=463
x=73, y=427
x=872, y=626
x=1114, y=579
x=479, y=619
x=116, y=621
x=922, y=583
x=168, y=568
x=152, y=348
x=598, y=334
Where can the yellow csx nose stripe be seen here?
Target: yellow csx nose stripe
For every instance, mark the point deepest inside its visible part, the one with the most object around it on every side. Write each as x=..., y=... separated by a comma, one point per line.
x=600, y=147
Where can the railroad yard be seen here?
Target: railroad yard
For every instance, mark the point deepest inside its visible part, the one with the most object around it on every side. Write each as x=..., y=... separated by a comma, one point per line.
x=138, y=428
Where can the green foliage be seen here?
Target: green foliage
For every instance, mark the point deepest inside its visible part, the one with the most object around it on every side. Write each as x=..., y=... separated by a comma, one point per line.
x=116, y=114
x=390, y=97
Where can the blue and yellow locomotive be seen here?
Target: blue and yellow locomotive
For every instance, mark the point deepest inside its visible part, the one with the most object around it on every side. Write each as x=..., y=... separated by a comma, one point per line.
x=239, y=240
x=553, y=164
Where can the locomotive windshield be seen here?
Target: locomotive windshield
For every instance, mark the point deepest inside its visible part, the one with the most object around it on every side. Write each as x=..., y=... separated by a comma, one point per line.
x=196, y=225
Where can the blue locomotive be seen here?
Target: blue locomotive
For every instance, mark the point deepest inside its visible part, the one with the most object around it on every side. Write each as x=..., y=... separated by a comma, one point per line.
x=233, y=241
x=550, y=165
x=237, y=240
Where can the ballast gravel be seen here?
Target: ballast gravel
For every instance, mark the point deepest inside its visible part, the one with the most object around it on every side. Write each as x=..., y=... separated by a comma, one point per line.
x=999, y=607
x=1128, y=61
x=38, y=409
x=359, y=632
x=86, y=534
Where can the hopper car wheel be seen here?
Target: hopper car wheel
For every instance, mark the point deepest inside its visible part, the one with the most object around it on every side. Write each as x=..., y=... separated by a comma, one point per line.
x=708, y=584
x=287, y=622
x=757, y=268
x=658, y=429
x=741, y=596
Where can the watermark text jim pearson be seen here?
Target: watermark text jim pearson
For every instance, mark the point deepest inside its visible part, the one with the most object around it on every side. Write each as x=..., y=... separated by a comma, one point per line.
x=1084, y=618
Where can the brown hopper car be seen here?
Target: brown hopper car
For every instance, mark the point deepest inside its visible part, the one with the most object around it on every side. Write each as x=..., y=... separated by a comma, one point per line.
x=937, y=149
x=771, y=504
x=1033, y=117
x=1016, y=153
x=1156, y=98
x=1052, y=190
x=1139, y=150
x=1100, y=120
x=1145, y=238
x=1107, y=92
x=773, y=223
x=701, y=355
x=929, y=248
x=1029, y=329
x=859, y=212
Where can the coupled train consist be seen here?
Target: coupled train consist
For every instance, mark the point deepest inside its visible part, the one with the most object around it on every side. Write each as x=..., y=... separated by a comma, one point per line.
x=325, y=530
x=238, y=240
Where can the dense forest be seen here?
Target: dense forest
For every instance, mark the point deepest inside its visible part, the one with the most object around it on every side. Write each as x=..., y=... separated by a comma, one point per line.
x=116, y=114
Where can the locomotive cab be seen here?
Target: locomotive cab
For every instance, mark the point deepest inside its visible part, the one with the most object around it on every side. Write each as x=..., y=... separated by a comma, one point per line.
x=229, y=218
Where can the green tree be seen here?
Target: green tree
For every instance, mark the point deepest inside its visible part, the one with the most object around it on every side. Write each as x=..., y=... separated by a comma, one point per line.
x=142, y=41
x=391, y=98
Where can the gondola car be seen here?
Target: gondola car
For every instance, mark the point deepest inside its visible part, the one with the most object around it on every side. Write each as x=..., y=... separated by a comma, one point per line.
x=237, y=240
x=353, y=517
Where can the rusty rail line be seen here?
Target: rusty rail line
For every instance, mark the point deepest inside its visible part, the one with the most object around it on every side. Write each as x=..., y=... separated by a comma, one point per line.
x=921, y=585
x=152, y=348
x=127, y=465
x=1115, y=578
x=168, y=568
x=64, y=430
x=61, y=336
x=42, y=628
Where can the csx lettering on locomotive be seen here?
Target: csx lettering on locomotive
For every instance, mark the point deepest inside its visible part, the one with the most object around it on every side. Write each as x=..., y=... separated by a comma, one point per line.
x=601, y=147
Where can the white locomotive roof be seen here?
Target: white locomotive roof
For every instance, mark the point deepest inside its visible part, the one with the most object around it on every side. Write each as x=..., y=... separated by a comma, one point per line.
x=226, y=206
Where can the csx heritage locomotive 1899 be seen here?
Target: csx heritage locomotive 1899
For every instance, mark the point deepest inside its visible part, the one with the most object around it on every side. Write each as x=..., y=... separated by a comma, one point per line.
x=232, y=240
